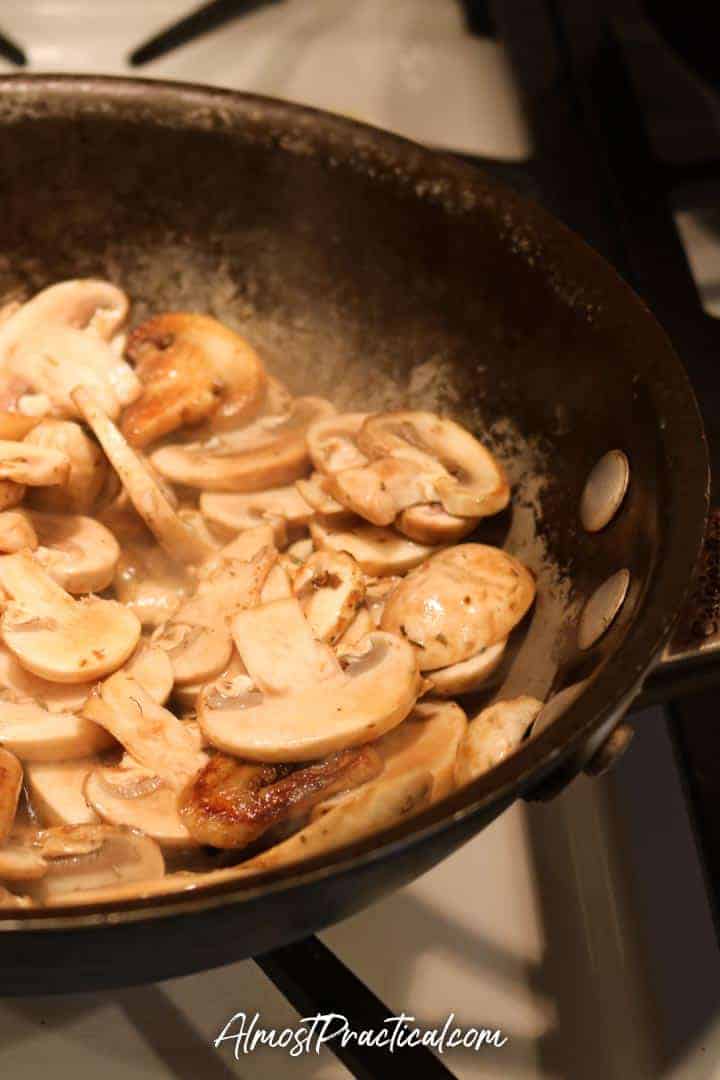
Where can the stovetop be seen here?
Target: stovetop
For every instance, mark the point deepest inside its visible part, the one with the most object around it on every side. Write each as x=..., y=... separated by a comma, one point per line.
x=556, y=924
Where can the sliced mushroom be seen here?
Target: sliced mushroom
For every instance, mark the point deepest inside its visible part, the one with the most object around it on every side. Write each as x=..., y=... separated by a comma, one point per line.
x=372, y=692
x=300, y=550
x=231, y=804
x=377, y=590
x=152, y=668
x=27, y=688
x=13, y=900
x=274, y=453
x=468, y=675
x=181, y=543
x=11, y=779
x=492, y=735
x=88, y=472
x=16, y=532
x=380, y=490
x=57, y=637
x=245, y=511
x=82, y=857
x=20, y=863
x=377, y=551
x=278, y=585
x=16, y=425
x=33, y=733
x=460, y=601
x=56, y=791
x=374, y=806
x=24, y=463
x=277, y=646
x=185, y=697
x=150, y=733
x=471, y=482
x=130, y=795
x=243, y=548
x=191, y=367
x=361, y=625
x=330, y=587
x=428, y=739
x=315, y=490
x=197, y=638
x=83, y=303
x=332, y=443
x=430, y=523
x=78, y=552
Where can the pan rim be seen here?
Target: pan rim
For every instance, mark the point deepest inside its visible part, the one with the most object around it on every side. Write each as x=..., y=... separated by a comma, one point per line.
x=614, y=686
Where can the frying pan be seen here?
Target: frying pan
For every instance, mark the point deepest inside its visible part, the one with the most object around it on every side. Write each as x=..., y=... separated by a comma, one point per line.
x=378, y=273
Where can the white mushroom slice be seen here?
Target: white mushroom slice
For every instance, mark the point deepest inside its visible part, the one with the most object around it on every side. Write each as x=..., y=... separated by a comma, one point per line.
x=31, y=689
x=361, y=625
x=20, y=863
x=379, y=491
x=191, y=367
x=459, y=602
x=181, y=543
x=82, y=303
x=428, y=739
x=315, y=490
x=197, y=638
x=16, y=532
x=88, y=472
x=371, y=808
x=377, y=551
x=492, y=735
x=56, y=791
x=151, y=734
x=78, y=552
x=115, y=857
x=244, y=548
x=24, y=463
x=377, y=591
x=185, y=697
x=245, y=511
x=277, y=647
x=56, y=359
x=471, y=483
x=57, y=637
x=231, y=804
x=152, y=668
x=11, y=779
x=374, y=691
x=332, y=443
x=430, y=523
x=300, y=550
x=133, y=796
x=330, y=587
x=278, y=585
x=276, y=455
x=468, y=675
x=10, y=494
x=33, y=733
x=148, y=582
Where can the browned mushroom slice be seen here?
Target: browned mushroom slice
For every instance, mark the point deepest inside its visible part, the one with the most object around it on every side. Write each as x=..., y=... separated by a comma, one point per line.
x=468, y=675
x=377, y=551
x=375, y=806
x=460, y=601
x=245, y=511
x=230, y=803
x=430, y=523
x=82, y=857
x=373, y=691
x=150, y=733
x=330, y=586
x=275, y=453
x=191, y=367
x=11, y=778
x=332, y=443
x=494, y=734
x=471, y=483
x=13, y=900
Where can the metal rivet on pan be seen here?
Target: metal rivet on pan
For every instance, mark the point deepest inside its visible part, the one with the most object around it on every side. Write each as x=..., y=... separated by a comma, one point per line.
x=602, y=607
x=604, y=490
